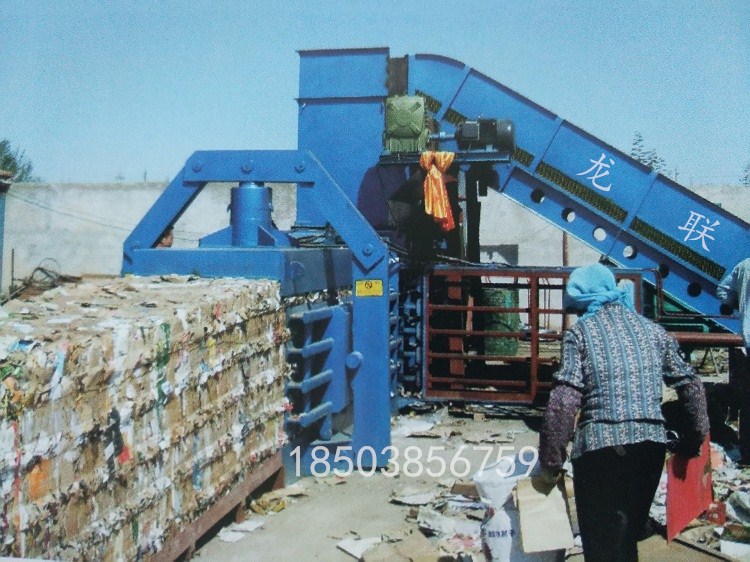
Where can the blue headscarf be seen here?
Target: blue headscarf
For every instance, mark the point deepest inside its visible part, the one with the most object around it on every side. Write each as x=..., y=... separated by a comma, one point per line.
x=592, y=286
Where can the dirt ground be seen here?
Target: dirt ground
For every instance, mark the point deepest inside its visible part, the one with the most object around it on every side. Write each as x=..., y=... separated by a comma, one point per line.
x=359, y=506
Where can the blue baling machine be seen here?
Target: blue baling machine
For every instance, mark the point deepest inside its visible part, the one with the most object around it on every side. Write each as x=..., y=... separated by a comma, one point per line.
x=357, y=164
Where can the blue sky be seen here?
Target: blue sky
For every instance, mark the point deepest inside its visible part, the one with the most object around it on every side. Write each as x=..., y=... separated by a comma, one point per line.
x=93, y=91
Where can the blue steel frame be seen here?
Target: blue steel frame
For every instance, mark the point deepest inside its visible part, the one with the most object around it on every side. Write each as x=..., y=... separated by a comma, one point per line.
x=369, y=256
x=633, y=215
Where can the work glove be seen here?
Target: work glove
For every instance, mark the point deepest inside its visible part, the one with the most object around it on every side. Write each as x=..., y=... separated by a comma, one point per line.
x=687, y=445
x=547, y=478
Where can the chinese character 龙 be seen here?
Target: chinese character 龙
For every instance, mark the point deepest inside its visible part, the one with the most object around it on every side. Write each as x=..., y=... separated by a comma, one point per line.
x=599, y=169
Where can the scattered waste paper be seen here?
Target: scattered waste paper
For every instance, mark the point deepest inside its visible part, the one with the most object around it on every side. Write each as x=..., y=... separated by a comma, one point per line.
x=228, y=535
x=277, y=500
x=249, y=525
x=405, y=427
x=237, y=531
x=446, y=527
x=413, y=495
x=738, y=507
x=735, y=542
x=501, y=527
x=412, y=547
x=545, y=524
x=658, y=510
x=356, y=547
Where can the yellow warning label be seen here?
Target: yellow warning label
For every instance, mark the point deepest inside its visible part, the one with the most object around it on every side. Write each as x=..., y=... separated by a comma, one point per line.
x=369, y=288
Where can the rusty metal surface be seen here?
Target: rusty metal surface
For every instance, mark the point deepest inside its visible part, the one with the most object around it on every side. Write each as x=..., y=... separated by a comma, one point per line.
x=709, y=339
x=457, y=367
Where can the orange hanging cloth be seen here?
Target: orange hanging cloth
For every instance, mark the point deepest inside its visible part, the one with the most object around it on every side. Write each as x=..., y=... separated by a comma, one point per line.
x=436, y=201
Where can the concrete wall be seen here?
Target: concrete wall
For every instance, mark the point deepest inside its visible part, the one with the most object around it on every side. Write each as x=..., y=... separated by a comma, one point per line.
x=79, y=229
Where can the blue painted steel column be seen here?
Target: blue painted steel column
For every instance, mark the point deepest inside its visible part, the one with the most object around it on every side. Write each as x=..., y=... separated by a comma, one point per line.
x=341, y=101
x=371, y=390
x=341, y=120
x=250, y=211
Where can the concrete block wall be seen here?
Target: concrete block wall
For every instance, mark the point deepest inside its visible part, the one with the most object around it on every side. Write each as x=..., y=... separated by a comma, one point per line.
x=79, y=229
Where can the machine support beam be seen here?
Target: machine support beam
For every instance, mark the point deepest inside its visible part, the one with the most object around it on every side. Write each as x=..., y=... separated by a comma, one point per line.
x=167, y=210
x=292, y=166
x=371, y=382
x=370, y=273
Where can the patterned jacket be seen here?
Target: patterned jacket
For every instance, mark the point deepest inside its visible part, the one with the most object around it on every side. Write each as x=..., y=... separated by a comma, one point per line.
x=613, y=364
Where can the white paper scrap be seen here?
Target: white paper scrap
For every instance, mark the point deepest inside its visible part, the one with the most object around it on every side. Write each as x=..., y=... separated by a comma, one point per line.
x=415, y=499
x=228, y=535
x=249, y=525
x=357, y=547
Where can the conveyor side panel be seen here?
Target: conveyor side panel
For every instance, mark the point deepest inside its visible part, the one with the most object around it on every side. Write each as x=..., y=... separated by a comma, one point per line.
x=602, y=196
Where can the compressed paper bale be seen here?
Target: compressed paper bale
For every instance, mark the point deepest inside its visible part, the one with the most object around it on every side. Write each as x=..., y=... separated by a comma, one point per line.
x=180, y=365
x=92, y=339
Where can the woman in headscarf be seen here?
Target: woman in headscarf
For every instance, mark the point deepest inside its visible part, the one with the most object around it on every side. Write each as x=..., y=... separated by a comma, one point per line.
x=612, y=366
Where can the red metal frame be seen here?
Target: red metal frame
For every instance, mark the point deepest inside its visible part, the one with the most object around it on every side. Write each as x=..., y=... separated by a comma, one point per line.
x=455, y=365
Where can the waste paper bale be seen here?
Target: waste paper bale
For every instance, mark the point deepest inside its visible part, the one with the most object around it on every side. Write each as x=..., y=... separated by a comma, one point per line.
x=129, y=406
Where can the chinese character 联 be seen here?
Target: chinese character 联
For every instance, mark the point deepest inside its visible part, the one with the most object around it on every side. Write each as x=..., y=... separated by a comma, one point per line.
x=697, y=227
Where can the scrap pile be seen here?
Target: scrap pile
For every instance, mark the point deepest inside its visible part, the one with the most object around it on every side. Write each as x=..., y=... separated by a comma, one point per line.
x=129, y=406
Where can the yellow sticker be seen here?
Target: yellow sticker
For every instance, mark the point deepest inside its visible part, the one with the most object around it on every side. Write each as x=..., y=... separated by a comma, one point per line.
x=369, y=288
